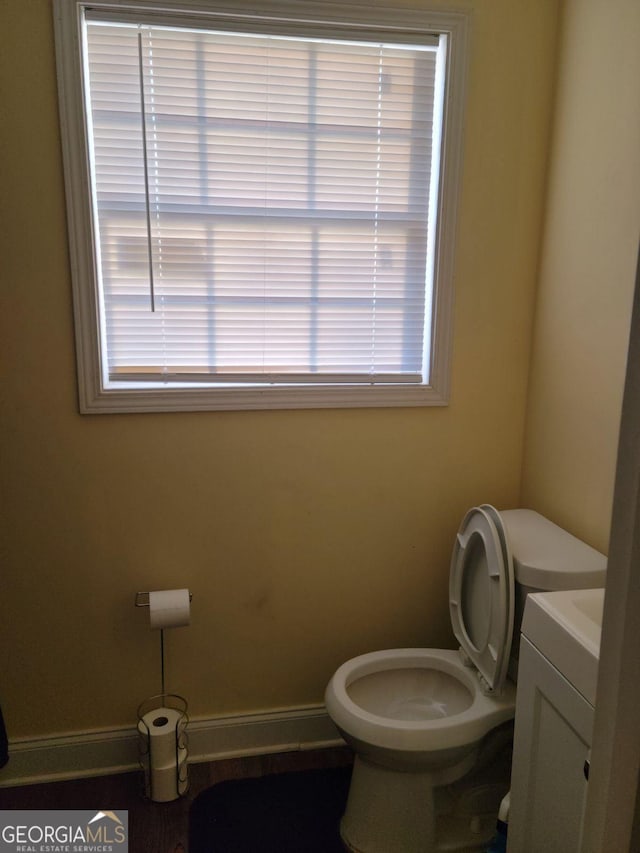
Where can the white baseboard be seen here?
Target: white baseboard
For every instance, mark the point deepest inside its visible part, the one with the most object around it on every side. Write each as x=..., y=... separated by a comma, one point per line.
x=103, y=752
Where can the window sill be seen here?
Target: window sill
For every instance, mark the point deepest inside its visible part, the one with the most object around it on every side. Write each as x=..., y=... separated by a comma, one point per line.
x=203, y=399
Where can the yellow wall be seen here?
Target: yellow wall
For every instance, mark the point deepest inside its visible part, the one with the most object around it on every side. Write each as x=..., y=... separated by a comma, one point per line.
x=305, y=536
x=590, y=246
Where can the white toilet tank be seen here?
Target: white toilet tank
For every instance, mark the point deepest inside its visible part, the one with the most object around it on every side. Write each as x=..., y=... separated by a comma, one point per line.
x=546, y=558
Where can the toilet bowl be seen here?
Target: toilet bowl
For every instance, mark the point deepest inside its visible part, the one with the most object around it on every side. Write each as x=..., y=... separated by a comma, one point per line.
x=417, y=719
x=414, y=708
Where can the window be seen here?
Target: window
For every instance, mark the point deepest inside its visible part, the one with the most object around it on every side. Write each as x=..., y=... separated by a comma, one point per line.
x=261, y=207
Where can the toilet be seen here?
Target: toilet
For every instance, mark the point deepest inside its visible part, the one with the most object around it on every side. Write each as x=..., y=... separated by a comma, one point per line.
x=422, y=721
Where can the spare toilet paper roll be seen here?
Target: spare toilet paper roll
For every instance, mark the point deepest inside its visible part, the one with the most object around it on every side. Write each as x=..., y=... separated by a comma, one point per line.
x=169, y=608
x=165, y=785
x=182, y=762
x=160, y=726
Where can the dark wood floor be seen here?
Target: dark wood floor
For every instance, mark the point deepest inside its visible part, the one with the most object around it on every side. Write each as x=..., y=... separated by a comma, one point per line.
x=161, y=827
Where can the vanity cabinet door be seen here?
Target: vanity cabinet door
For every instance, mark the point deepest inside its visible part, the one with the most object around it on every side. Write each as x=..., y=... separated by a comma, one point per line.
x=553, y=730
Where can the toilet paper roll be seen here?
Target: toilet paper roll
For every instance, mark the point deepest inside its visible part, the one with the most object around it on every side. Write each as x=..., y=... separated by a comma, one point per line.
x=145, y=761
x=169, y=608
x=166, y=784
x=160, y=726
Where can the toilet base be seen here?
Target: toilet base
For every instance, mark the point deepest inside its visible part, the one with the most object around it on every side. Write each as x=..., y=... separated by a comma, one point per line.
x=388, y=811
x=393, y=811
x=454, y=811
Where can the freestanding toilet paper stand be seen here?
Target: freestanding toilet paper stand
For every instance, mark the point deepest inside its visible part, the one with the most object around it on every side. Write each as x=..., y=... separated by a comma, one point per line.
x=162, y=736
x=163, y=746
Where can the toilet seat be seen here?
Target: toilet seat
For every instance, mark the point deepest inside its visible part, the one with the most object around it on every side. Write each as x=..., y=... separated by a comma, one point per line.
x=406, y=736
x=481, y=595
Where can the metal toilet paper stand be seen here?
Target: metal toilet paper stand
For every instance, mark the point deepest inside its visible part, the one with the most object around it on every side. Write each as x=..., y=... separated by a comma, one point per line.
x=165, y=717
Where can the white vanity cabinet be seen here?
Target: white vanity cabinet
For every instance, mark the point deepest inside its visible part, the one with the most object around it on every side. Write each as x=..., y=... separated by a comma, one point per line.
x=552, y=740
x=557, y=676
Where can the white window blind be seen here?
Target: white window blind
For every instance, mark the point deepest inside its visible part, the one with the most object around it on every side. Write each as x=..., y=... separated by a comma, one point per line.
x=264, y=205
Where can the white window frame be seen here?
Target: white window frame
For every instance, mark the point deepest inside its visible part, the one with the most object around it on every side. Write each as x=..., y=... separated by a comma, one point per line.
x=94, y=396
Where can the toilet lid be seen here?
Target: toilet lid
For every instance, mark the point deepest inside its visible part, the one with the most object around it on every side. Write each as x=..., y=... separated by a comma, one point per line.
x=481, y=594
